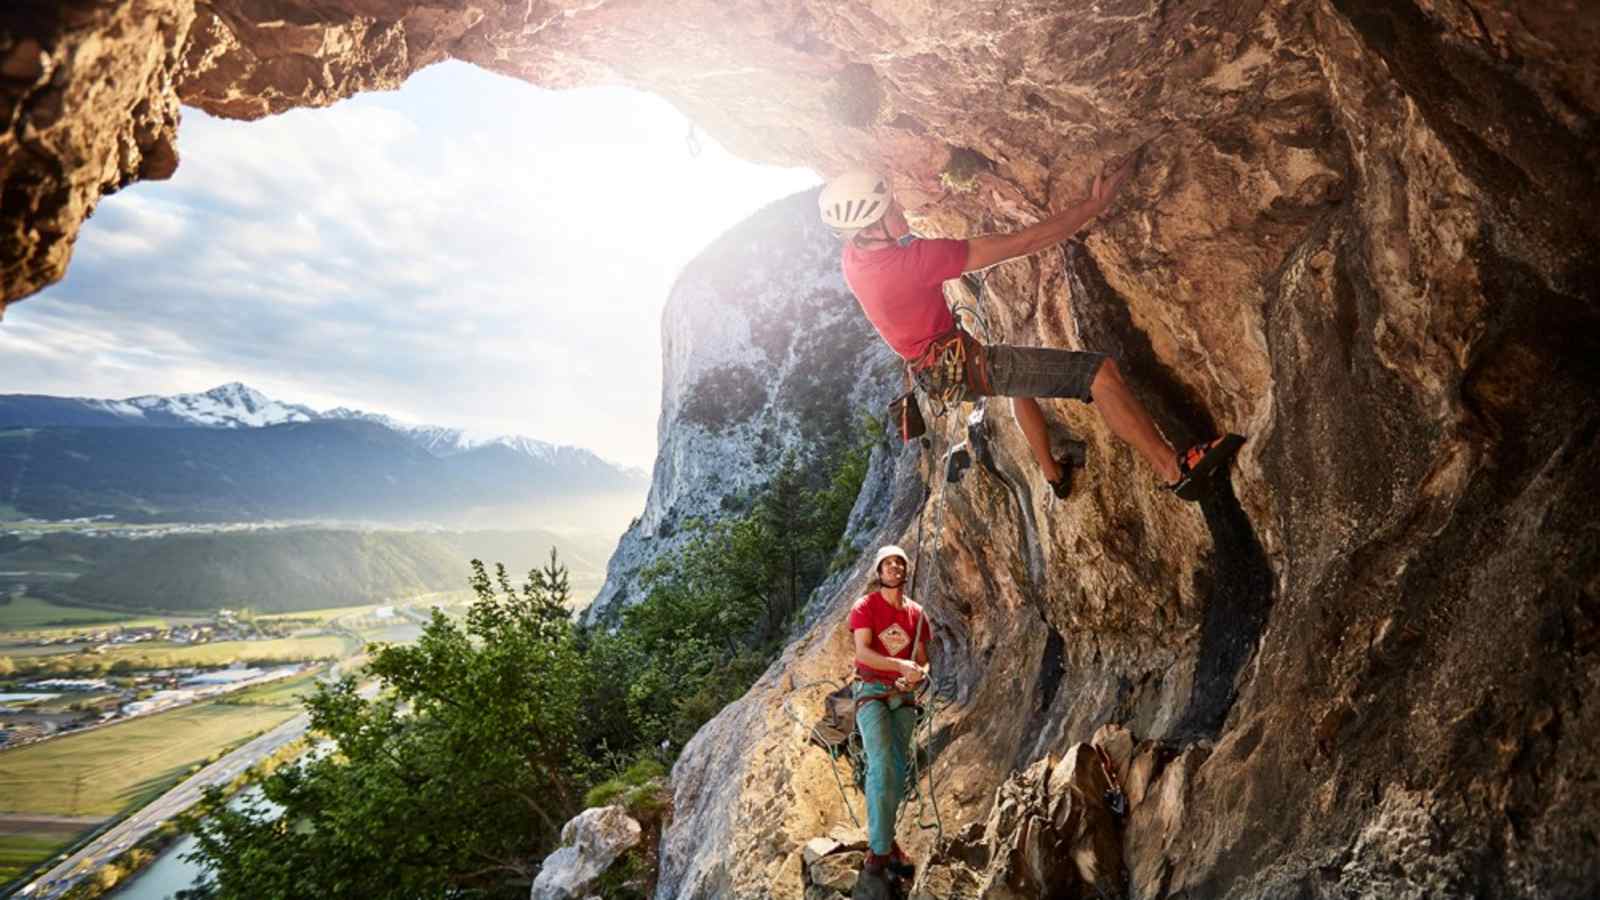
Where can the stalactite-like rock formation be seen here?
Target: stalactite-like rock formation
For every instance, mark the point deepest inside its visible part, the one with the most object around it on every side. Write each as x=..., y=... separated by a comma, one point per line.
x=1362, y=233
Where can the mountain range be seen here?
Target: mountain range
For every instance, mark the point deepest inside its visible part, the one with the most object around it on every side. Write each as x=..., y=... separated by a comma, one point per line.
x=234, y=454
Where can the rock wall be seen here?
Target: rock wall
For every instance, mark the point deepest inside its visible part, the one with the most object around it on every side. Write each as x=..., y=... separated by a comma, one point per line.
x=1362, y=233
x=764, y=353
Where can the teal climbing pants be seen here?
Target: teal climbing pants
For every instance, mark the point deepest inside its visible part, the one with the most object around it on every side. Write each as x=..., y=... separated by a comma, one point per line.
x=886, y=730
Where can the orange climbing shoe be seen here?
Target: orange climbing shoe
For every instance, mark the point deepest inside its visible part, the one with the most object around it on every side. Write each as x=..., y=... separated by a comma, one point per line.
x=1197, y=464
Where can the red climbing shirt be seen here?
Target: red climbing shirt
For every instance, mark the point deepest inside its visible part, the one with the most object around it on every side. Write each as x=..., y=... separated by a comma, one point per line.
x=901, y=289
x=892, y=631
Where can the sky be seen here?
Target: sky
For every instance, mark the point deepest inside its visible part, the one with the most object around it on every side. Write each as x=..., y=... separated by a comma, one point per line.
x=468, y=251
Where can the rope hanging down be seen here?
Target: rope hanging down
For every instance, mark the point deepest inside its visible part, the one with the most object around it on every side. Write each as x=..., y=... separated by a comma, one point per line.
x=928, y=702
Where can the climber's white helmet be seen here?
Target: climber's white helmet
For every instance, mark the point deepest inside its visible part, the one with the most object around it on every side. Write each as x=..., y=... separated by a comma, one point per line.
x=888, y=552
x=854, y=200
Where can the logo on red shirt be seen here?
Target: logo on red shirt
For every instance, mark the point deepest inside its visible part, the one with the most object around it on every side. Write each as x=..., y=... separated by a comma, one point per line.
x=894, y=639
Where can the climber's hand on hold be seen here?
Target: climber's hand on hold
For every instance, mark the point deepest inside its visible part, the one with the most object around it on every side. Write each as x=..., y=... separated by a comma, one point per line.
x=1109, y=182
x=987, y=250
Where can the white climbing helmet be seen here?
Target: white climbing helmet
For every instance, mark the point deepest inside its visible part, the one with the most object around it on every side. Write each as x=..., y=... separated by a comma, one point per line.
x=887, y=552
x=854, y=200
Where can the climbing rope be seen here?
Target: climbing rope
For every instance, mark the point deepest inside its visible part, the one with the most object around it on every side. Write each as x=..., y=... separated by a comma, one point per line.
x=975, y=310
x=851, y=741
x=927, y=698
x=930, y=709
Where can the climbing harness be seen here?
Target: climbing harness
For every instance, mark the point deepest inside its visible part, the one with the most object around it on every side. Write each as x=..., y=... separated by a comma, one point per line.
x=954, y=367
x=837, y=734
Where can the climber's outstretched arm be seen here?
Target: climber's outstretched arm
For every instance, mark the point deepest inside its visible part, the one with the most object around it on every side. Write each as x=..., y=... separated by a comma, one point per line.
x=985, y=251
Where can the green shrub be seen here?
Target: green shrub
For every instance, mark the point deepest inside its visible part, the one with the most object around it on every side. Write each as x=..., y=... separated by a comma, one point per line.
x=643, y=770
x=605, y=793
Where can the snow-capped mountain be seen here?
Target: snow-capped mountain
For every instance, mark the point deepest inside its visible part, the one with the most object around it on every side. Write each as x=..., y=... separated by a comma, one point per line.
x=236, y=405
x=234, y=454
x=231, y=405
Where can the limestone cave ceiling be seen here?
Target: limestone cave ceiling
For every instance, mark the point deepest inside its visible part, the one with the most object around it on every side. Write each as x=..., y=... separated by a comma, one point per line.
x=1254, y=110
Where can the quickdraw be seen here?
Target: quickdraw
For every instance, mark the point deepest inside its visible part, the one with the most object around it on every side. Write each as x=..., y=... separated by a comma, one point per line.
x=953, y=369
x=1116, y=800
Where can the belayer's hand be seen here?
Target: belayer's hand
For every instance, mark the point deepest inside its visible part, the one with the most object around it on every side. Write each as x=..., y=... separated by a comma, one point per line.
x=911, y=673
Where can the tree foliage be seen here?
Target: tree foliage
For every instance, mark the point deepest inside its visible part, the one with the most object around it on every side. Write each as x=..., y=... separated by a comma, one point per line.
x=456, y=779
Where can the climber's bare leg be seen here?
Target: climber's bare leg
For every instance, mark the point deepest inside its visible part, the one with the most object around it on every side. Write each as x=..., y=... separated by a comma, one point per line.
x=1031, y=419
x=1127, y=419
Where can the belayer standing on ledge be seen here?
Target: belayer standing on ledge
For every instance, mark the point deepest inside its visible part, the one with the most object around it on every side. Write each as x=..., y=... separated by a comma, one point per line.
x=899, y=282
x=891, y=650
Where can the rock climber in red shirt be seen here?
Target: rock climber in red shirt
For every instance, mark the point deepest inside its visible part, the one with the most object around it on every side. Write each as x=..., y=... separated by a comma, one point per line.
x=899, y=284
x=891, y=639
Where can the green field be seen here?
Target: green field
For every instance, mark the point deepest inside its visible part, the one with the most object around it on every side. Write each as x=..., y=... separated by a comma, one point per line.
x=321, y=615
x=287, y=692
x=121, y=767
x=20, y=852
x=26, y=612
x=30, y=660
x=19, y=652
x=161, y=655
x=437, y=598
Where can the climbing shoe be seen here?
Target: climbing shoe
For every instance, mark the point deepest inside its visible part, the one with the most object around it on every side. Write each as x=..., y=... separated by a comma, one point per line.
x=875, y=864
x=1074, y=456
x=900, y=865
x=1197, y=464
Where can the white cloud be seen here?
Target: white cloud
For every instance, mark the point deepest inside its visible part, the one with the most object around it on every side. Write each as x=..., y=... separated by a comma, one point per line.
x=468, y=251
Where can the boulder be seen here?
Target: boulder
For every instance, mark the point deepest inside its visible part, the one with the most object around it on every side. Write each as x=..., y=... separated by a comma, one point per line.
x=590, y=843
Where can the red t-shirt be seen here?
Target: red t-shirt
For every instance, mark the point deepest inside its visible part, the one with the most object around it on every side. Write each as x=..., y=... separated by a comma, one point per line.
x=901, y=289
x=892, y=631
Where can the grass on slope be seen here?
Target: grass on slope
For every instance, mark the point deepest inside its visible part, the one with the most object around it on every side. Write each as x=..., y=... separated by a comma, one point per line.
x=32, y=613
x=270, y=572
x=120, y=767
x=21, y=852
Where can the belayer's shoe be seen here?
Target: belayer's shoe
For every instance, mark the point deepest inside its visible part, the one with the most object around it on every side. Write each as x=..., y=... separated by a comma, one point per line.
x=900, y=865
x=875, y=865
x=1197, y=464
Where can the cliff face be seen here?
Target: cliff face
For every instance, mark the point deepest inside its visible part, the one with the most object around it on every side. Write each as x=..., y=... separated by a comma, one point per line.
x=1362, y=233
x=764, y=353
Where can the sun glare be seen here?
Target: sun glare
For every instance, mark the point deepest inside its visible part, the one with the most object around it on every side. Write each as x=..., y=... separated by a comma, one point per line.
x=469, y=250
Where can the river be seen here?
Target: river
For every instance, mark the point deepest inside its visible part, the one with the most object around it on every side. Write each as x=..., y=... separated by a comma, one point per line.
x=169, y=874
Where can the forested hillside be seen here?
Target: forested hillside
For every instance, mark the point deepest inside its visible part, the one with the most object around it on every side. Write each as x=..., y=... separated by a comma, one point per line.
x=343, y=470
x=278, y=570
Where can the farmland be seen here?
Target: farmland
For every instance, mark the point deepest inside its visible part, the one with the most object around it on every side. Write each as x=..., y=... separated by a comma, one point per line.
x=25, y=612
x=110, y=770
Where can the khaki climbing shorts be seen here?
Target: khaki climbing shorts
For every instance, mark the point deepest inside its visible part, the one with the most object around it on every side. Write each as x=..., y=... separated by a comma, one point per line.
x=958, y=368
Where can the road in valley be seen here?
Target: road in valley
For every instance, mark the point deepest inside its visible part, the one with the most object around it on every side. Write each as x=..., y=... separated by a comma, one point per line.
x=133, y=829
x=108, y=846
